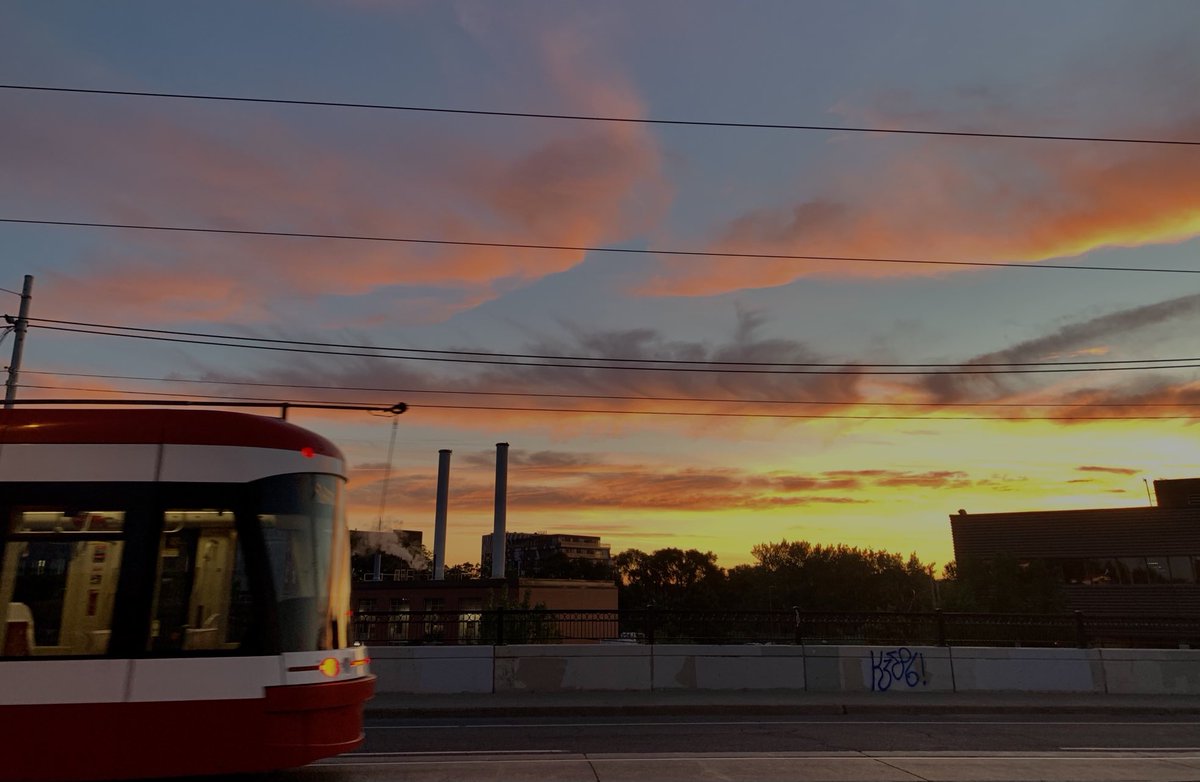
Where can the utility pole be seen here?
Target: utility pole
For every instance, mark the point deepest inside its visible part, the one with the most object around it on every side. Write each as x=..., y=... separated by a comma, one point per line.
x=20, y=325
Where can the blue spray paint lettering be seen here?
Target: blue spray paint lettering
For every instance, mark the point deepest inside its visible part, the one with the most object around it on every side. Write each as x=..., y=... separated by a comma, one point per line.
x=897, y=665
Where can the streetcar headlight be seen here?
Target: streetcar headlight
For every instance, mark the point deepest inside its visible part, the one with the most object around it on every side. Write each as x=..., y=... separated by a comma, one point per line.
x=330, y=667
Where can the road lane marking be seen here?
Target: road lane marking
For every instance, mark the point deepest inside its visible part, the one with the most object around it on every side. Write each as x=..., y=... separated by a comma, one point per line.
x=461, y=752
x=475, y=759
x=1130, y=749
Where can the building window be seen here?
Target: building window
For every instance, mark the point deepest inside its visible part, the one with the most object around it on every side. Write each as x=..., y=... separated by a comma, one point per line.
x=435, y=627
x=1182, y=570
x=470, y=614
x=398, y=622
x=1158, y=569
x=1074, y=571
x=1135, y=570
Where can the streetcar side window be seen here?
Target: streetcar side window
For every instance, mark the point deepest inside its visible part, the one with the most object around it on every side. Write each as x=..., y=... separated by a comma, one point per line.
x=202, y=596
x=58, y=581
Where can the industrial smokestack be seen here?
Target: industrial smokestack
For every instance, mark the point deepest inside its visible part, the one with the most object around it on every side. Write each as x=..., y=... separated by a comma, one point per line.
x=498, y=528
x=439, y=518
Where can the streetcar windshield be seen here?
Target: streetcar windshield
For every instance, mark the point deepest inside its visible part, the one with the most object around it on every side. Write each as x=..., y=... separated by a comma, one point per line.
x=302, y=519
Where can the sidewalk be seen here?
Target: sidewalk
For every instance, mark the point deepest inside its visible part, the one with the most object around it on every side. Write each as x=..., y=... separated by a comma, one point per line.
x=772, y=702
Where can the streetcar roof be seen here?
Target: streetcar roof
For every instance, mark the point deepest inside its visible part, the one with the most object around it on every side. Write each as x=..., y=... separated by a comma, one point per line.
x=148, y=425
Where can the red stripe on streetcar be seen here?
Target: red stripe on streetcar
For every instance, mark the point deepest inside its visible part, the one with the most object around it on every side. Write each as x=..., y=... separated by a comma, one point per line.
x=174, y=427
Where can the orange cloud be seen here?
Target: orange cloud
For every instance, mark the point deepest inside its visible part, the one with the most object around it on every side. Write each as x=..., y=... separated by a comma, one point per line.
x=1110, y=470
x=344, y=173
x=956, y=199
x=580, y=482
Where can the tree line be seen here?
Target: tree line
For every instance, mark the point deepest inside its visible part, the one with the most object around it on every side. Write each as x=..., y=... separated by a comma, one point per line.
x=815, y=577
x=791, y=574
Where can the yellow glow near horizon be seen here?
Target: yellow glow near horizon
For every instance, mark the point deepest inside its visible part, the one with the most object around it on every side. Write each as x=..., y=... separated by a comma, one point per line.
x=887, y=486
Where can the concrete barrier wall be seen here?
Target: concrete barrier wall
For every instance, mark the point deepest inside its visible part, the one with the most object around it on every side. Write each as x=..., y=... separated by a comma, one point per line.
x=1027, y=670
x=895, y=669
x=566, y=667
x=433, y=669
x=749, y=667
x=1151, y=671
x=889, y=671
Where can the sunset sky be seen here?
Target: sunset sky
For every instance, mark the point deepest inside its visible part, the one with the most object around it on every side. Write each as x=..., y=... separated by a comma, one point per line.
x=872, y=398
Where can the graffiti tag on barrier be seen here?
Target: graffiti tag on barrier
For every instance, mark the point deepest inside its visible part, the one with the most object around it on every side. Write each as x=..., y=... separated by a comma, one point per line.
x=897, y=665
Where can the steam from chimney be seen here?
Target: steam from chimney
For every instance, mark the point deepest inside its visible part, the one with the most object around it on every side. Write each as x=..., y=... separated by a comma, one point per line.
x=366, y=544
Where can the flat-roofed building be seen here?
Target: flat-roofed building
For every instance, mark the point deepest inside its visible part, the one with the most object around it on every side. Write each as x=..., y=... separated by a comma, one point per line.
x=1110, y=560
x=526, y=552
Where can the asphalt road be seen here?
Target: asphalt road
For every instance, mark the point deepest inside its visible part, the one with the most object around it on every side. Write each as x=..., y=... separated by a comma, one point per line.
x=940, y=733
x=746, y=747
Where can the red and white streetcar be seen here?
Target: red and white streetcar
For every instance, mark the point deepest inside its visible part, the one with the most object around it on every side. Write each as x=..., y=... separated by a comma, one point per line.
x=173, y=595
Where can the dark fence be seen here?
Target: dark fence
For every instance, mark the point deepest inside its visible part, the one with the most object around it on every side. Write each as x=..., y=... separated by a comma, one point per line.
x=931, y=628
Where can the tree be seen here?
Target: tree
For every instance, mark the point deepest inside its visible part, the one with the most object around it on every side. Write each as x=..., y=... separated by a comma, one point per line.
x=669, y=578
x=1002, y=584
x=522, y=622
x=466, y=571
x=837, y=578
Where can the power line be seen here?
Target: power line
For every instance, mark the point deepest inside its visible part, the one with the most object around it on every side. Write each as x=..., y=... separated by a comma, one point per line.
x=854, y=370
x=678, y=413
x=547, y=357
x=604, y=118
x=606, y=397
x=392, y=409
x=225, y=397
x=589, y=249
x=808, y=417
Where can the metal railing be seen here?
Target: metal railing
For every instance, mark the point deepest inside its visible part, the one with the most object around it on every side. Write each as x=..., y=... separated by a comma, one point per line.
x=654, y=626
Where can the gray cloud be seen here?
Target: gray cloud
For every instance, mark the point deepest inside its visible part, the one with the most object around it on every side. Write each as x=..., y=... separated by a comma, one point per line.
x=1093, y=332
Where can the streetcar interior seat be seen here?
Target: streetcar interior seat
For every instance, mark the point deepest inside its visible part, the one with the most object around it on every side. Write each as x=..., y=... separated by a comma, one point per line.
x=203, y=637
x=96, y=642
x=18, y=631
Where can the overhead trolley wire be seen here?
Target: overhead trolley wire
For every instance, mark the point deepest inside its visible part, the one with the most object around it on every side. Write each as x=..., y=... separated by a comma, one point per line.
x=546, y=357
x=603, y=118
x=588, y=248
x=212, y=399
x=225, y=397
x=700, y=367
x=602, y=397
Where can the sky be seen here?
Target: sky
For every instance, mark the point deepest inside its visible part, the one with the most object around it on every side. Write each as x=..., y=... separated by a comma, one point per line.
x=732, y=393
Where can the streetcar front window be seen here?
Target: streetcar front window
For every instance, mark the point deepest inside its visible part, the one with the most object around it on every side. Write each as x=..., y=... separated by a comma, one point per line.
x=58, y=581
x=301, y=520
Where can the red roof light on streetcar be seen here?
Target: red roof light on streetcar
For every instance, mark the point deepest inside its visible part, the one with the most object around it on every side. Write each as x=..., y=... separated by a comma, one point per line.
x=330, y=667
x=307, y=452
